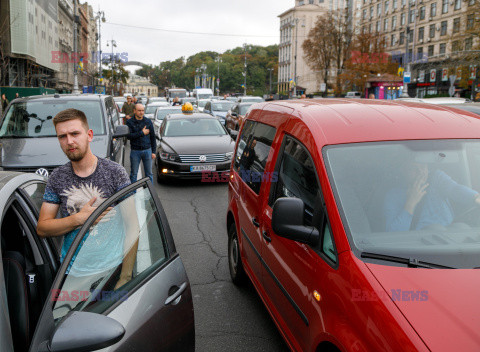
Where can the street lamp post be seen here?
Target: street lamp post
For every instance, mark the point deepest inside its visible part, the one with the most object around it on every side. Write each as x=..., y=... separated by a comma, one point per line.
x=218, y=60
x=114, y=44
x=100, y=17
x=75, y=40
x=204, y=75
x=270, y=69
x=245, y=72
x=407, y=63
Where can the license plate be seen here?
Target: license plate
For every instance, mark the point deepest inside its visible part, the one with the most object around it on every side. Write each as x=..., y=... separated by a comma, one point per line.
x=198, y=168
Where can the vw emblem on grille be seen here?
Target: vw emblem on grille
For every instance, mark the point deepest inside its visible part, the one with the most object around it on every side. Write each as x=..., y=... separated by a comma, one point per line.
x=202, y=158
x=42, y=172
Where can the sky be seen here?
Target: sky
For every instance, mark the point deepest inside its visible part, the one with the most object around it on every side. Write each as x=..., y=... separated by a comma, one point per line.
x=239, y=21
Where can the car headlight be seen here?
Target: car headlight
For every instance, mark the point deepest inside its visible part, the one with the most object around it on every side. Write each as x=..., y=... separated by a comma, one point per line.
x=169, y=156
x=229, y=155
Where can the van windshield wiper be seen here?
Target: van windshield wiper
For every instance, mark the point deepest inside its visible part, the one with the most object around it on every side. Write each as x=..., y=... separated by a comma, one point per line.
x=410, y=262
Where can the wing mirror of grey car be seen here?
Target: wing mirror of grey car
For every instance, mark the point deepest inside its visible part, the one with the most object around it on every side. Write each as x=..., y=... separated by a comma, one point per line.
x=287, y=221
x=84, y=331
x=121, y=131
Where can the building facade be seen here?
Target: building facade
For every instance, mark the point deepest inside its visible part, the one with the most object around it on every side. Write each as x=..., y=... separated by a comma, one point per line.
x=65, y=40
x=137, y=84
x=295, y=24
x=435, y=34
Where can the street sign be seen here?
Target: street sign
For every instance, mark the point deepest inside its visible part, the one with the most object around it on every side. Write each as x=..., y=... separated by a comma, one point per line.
x=421, y=76
x=473, y=71
x=451, y=91
x=406, y=77
x=433, y=75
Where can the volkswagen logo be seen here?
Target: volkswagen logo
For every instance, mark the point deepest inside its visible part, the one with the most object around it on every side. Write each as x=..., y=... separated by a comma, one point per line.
x=202, y=158
x=42, y=172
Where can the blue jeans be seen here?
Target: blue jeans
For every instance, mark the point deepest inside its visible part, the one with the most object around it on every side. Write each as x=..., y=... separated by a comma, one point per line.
x=140, y=155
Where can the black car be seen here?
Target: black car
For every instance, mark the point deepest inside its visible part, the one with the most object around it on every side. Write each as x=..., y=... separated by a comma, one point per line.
x=192, y=145
x=28, y=139
x=48, y=306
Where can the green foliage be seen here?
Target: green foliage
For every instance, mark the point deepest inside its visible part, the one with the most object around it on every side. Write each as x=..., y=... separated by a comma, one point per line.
x=181, y=72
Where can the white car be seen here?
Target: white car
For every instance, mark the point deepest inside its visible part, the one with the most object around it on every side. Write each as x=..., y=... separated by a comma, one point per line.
x=163, y=111
x=201, y=104
x=152, y=107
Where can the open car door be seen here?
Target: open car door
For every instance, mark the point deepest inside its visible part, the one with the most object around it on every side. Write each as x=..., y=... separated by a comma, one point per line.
x=122, y=285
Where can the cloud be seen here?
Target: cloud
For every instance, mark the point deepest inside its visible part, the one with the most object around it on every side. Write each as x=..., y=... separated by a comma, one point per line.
x=248, y=18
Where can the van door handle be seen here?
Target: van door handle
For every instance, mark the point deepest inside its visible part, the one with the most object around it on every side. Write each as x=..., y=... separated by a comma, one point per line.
x=176, y=294
x=267, y=237
x=255, y=222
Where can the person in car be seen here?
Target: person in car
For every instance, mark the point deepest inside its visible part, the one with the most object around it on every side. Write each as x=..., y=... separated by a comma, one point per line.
x=424, y=199
x=176, y=101
x=77, y=189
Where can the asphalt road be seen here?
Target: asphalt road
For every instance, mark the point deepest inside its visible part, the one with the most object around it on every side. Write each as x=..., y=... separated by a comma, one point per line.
x=227, y=318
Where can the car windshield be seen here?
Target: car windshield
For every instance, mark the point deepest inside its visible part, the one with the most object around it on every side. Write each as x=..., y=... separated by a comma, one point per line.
x=35, y=118
x=150, y=109
x=201, y=104
x=161, y=113
x=244, y=109
x=410, y=199
x=223, y=106
x=193, y=127
x=177, y=94
x=204, y=96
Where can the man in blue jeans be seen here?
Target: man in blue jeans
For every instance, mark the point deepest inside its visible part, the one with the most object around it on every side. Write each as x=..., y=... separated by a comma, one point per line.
x=143, y=144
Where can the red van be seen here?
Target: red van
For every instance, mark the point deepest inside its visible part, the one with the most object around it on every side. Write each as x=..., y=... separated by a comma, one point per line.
x=349, y=216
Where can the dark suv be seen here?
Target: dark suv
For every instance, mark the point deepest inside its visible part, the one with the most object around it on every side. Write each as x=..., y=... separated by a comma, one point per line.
x=28, y=140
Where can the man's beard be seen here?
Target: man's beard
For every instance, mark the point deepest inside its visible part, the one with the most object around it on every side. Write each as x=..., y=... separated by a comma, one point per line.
x=77, y=155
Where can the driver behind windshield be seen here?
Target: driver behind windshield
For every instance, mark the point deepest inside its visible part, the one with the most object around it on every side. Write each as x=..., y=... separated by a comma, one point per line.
x=424, y=200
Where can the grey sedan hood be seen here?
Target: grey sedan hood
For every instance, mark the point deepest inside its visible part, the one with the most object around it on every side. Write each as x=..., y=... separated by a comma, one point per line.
x=199, y=144
x=41, y=152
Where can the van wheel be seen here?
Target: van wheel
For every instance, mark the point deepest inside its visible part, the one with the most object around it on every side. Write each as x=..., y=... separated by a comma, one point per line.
x=237, y=273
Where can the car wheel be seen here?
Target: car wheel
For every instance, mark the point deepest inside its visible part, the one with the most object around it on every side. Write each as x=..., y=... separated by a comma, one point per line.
x=237, y=273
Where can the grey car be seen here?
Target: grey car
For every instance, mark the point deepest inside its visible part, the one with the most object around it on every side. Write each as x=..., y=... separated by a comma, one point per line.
x=28, y=140
x=48, y=306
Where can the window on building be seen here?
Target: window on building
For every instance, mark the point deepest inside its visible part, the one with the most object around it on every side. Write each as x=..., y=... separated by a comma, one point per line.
x=370, y=28
x=430, y=50
x=385, y=24
x=422, y=13
x=402, y=38
x=371, y=11
x=470, y=21
x=393, y=40
x=471, y=2
x=410, y=55
x=394, y=4
x=443, y=26
x=421, y=33
x=456, y=25
x=458, y=5
x=411, y=16
x=387, y=4
x=379, y=10
x=431, y=31
x=402, y=20
x=468, y=43
x=377, y=26
x=443, y=48
x=410, y=36
x=457, y=45
x=404, y=2
x=433, y=9
x=364, y=14
x=394, y=23
x=444, y=6
x=419, y=53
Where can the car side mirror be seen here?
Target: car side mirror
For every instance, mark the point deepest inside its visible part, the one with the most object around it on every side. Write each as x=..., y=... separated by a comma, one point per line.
x=121, y=131
x=233, y=134
x=84, y=331
x=287, y=221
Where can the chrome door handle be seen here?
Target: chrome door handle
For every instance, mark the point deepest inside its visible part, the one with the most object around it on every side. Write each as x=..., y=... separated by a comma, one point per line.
x=267, y=237
x=177, y=294
x=255, y=222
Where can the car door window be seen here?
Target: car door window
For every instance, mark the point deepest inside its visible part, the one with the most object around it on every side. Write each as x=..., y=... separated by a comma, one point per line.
x=35, y=191
x=128, y=241
x=252, y=153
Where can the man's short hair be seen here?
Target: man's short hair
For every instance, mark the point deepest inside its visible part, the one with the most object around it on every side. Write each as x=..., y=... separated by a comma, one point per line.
x=71, y=114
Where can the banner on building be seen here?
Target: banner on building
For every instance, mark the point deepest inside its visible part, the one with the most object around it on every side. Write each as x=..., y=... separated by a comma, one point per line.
x=473, y=71
x=433, y=75
x=421, y=76
x=444, y=74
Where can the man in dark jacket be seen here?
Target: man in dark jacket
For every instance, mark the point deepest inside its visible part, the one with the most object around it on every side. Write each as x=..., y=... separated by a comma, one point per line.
x=143, y=144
